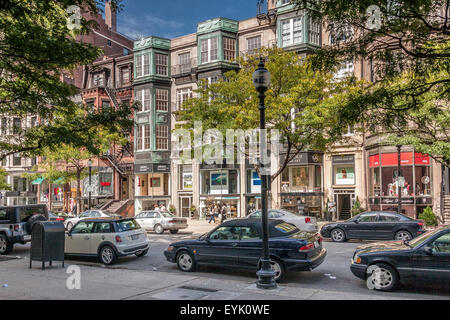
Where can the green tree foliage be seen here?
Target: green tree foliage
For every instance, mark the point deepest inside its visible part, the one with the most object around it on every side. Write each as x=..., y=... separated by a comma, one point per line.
x=301, y=102
x=356, y=208
x=3, y=184
x=429, y=217
x=36, y=46
x=410, y=54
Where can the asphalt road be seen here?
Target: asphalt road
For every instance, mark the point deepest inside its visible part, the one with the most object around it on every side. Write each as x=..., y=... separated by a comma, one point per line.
x=333, y=275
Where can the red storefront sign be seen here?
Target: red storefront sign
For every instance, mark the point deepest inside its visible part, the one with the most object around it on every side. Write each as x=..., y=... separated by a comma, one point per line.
x=105, y=184
x=391, y=159
x=374, y=161
x=423, y=159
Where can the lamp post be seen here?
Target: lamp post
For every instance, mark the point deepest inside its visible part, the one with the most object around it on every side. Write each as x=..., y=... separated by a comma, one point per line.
x=90, y=188
x=261, y=81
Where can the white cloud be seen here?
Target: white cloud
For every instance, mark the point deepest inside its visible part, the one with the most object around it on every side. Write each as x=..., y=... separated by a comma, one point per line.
x=148, y=25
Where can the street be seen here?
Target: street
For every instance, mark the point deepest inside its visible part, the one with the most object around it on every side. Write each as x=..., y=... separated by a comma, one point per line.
x=331, y=280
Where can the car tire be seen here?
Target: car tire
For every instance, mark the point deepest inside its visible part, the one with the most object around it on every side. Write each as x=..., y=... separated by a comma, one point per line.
x=159, y=229
x=141, y=253
x=174, y=231
x=5, y=246
x=338, y=235
x=389, y=277
x=403, y=235
x=107, y=255
x=186, y=261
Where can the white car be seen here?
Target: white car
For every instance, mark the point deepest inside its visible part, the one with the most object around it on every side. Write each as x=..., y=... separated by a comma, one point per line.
x=107, y=239
x=69, y=223
x=160, y=221
x=303, y=223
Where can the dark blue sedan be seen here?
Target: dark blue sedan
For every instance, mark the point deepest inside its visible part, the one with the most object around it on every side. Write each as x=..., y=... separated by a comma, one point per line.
x=237, y=244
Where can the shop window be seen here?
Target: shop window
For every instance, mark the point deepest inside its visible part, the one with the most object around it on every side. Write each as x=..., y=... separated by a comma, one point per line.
x=106, y=186
x=299, y=177
x=344, y=175
x=392, y=185
x=423, y=180
x=374, y=182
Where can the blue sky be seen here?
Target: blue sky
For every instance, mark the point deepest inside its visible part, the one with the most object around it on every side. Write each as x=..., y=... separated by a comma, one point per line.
x=173, y=18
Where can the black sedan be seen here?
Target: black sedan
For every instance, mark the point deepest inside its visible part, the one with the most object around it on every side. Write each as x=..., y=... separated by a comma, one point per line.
x=424, y=259
x=237, y=244
x=374, y=225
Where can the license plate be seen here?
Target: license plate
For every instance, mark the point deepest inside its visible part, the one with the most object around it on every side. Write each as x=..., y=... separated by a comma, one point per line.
x=134, y=237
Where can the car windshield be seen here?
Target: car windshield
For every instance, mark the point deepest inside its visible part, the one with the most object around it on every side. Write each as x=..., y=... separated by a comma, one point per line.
x=166, y=214
x=127, y=225
x=422, y=238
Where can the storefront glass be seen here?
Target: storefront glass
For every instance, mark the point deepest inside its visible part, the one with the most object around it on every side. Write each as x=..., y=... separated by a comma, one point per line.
x=221, y=181
x=301, y=179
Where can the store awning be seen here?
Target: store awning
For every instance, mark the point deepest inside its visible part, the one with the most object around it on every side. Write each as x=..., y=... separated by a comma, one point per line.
x=58, y=181
x=38, y=181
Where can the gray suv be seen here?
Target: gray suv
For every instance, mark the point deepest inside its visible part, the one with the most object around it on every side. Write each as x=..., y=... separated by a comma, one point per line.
x=16, y=223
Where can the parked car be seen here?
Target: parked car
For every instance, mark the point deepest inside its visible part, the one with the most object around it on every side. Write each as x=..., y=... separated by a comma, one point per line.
x=16, y=223
x=69, y=223
x=160, y=221
x=237, y=243
x=57, y=216
x=374, y=225
x=304, y=223
x=423, y=259
x=107, y=239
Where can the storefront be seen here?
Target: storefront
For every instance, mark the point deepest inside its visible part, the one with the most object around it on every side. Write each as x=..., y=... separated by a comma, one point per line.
x=185, y=189
x=152, y=185
x=253, y=189
x=344, y=184
x=219, y=184
x=414, y=184
x=301, y=184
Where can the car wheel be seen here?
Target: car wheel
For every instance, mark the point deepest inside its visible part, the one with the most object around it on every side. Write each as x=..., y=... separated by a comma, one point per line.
x=141, y=253
x=278, y=267
x=5, y=246
x=338, y=235
x=403, y=235
x=159, y=229
x=382, y=277
x=107, y=255
x=174, y=231
x=186, y=261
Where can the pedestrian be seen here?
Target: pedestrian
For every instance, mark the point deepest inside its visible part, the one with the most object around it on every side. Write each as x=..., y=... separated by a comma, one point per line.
x=162, y=208
x=212, y=216
x=156, y=208
x=223, y=214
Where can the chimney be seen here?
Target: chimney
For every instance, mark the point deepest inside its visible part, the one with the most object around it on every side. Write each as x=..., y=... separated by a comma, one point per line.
x=110, y=16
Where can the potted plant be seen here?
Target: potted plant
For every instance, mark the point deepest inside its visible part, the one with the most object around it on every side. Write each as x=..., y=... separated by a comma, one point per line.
x=357, y=209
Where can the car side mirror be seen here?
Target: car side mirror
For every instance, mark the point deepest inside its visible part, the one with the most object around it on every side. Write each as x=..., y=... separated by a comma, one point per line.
x=428, y=250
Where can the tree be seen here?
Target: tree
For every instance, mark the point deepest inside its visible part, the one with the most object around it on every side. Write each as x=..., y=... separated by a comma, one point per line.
x=301, y=102
x=408, y=45
x=36, y=46
x=3, y=184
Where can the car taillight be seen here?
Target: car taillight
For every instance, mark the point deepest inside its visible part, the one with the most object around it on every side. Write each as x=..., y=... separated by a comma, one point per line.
x=307, y=247
x=420, y=223
x=171, y=221
x=59, y=219
x=16, y=227
x=307, y=220
x=118, y=239
x=320, y=239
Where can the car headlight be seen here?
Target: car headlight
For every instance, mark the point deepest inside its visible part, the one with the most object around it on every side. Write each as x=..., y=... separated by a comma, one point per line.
x=357, y=259
x=170, y=248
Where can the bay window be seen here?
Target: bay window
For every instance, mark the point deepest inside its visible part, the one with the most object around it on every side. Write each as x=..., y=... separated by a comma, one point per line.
x=142, y=65
x=143, y=137
x=162, y=100
x=209, y=50
x=162, y=137
x=143, y=96
x=229, y=48
x=161, y=64
x=291, y=31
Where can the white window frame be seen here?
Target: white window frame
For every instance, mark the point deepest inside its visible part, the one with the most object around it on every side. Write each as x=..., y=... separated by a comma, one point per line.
x=140, y=129
x=209, y=50
x=140, y=96
x=140, y=65
x=291, y=31
x=183, y=94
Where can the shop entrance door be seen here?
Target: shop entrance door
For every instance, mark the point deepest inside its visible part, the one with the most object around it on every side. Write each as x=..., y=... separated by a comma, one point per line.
x=185, y=204
x=344, y=203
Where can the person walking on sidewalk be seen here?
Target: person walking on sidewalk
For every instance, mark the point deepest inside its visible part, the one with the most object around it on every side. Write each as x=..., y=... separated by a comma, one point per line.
x=212, y=215
x=223, y=213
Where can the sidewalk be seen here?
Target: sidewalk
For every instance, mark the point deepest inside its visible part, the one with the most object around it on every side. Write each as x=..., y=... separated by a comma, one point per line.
x=118, y=284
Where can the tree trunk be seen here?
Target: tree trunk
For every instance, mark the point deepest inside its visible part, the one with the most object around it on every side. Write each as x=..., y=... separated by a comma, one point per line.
x=78, y=202
x=50, y=196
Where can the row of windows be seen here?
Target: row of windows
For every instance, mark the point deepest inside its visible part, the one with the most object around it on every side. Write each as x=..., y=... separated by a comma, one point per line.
x=14, y=125
x=143, y=137
x=143, y=64
x=144, y=98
